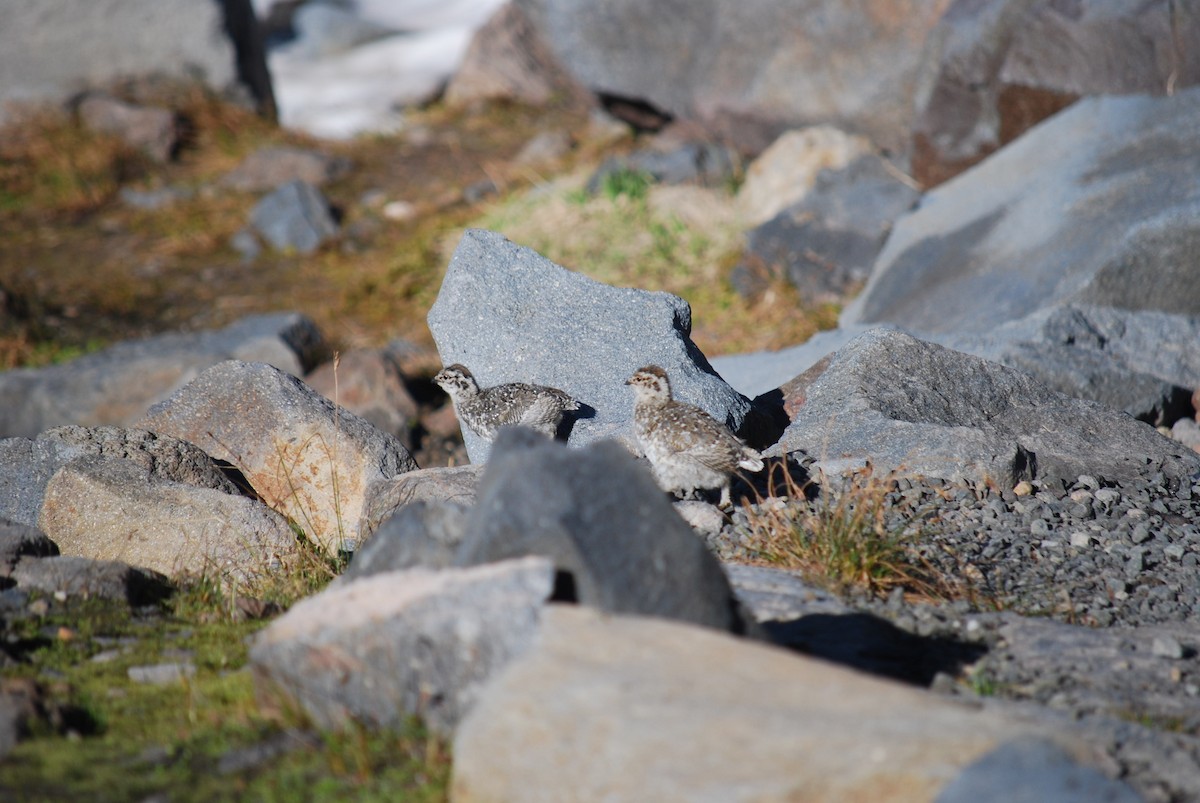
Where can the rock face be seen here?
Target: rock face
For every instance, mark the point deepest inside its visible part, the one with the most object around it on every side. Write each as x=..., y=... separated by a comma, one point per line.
x=1092, y=206
x=907, y=405
x=688, y=714
x=995, y=69
x=384, y=648
x=598, y=515
x=49, y=49
x=749, y=72
x=306, y=457
x=455, y=484
x=511, y=315
x=116, y=385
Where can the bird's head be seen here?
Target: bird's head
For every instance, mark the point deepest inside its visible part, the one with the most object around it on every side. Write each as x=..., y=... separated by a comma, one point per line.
x=456, y=380
x=650, y=384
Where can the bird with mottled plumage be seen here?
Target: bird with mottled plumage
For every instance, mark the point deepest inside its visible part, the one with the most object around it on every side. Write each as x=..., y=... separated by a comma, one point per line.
x=687, y=448
x=486, y=410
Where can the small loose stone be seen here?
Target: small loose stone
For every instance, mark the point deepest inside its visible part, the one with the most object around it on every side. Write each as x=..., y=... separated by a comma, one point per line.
x=1166, y=647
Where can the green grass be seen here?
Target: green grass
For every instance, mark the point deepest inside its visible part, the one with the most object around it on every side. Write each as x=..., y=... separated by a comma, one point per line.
x=105, y=737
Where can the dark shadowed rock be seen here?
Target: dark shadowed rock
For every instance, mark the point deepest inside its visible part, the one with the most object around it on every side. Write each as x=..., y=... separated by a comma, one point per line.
x=421, y=534
x=295, y=217
x=306, y=457
x=150, y=130
x=86, y=578
x=511, y=315
x=20, y=540
x=455, y=484
x=749, y=71
x=1094, y=205
x=1033, y=770
x=109, y=509
x=907, y=405
x=268, y=168
x=116, y=385
x=599, y=516
x=367, y=382
x=384, y=648
x=826, y=244
x=26, y=466
x=992, y=70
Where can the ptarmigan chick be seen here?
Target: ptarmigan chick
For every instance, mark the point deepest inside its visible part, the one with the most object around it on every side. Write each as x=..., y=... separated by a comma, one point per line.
x=516, y=403
x=687, y=448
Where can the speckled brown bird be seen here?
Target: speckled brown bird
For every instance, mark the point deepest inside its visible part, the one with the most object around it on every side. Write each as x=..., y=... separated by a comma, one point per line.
x=687, y=448
x=484, y=411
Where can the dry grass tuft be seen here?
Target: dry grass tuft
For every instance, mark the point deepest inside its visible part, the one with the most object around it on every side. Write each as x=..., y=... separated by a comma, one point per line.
x=846, y=536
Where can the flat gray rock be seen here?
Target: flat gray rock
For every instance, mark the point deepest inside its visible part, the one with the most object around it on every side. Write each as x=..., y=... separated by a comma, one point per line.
x=306, y=457
x=511, y=315
x=116, y=385
x=599, y=516
x=914, y=407
x=1096, y=205
x=385, y=648
x=295, y=217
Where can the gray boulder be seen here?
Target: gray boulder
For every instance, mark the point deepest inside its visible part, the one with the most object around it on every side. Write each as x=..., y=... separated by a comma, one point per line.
x=914, y=407
x=764, y=371
x=295, y=217
x=84, y=578
x=992, y=70
x=111, y=509
x=511, y=315
x=268, y=168
x=26, y=466
x=1094, y=206
x=49, y=49
x=367, y=382
x=421, y=535
x=150, y=130
x=307, y=458
x=116, y=385
x=398, y=644
x=455, y=484
x=749, y=71
x=599, y=516
x=826, y=244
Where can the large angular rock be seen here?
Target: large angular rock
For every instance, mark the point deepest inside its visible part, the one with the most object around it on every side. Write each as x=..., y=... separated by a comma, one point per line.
x=993, y=70
x=116, y=385
x=49, y=49
x=306, y=457
x=1093, y=206
x=611, y=533
x=26, y=466
x=1143, y=362
x=511, y=315
x=114, y=510
x=750, y=71
x=384, y=648
x=689, y=714
x=915, y=407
